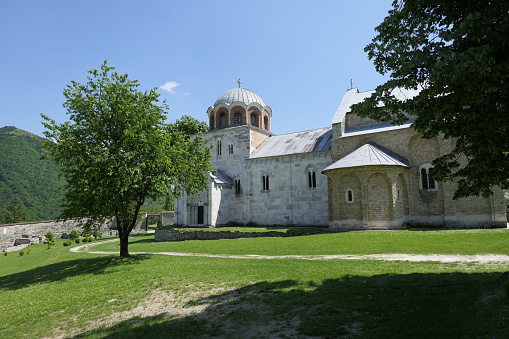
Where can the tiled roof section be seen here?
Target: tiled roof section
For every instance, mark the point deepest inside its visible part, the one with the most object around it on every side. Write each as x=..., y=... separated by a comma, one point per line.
x=221, y=178
x=294, y=143
x=353, y=96
x=368, y=155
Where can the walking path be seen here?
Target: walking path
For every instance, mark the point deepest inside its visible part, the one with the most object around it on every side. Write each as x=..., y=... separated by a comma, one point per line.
x=445, y=258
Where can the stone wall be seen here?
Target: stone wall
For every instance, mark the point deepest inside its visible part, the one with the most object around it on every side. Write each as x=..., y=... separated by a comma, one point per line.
x=179, y=235
x=33, y=232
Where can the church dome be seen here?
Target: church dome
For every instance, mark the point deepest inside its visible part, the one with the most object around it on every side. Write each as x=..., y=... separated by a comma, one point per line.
x=240, y=94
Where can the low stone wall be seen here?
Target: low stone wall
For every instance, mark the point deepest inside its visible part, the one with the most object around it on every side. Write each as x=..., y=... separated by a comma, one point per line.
x=33, y=232
x=179, y=235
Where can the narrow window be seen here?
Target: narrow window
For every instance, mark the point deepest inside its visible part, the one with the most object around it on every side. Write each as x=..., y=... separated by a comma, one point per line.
x=219, y=151
x=399, y=194
x=253, y=120
x=349, y=196
x=265, y=182
x=424, y=179
x=237, y=185
x=312, y=179
x=238, y=119
x=223, y=120
x=266, y=123
x=431, y=182
x=230, y=149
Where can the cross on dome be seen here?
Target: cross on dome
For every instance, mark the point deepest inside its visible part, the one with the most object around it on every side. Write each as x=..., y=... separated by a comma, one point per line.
x=239, y=82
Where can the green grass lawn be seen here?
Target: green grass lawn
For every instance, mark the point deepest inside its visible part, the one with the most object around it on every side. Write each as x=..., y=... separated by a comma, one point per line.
x=55, y=292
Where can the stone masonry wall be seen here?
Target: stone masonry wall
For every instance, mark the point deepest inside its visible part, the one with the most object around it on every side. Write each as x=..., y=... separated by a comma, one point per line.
x=179, y=235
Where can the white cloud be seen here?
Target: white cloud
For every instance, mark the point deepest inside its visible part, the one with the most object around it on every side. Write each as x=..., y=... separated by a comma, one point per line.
x=169, y=86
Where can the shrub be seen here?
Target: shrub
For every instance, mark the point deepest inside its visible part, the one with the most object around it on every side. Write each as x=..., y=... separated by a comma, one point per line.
x=21, y=253
x=49, y=239
x=5, y=254
x=68, y=242
x=95, y=234
x=77, y=240
x=89, y=239
x=74, y=235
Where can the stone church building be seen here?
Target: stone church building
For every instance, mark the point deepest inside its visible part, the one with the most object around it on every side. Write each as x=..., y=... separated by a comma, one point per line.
x=358, y=173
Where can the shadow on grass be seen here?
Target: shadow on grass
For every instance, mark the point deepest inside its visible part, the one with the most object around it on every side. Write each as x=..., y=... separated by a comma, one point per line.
x=66, y=269
x=447, y=305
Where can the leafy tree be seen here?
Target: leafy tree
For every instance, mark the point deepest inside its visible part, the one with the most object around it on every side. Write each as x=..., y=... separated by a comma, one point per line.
x=73, y=235
x=15, y=212
x=190, y=126
x=457, y=54
x=49, y=239
x=116, y=151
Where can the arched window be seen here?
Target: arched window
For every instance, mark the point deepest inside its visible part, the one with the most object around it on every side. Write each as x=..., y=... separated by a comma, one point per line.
x=223, y=120
x=426, y=181
x=219, y=151
x=311, y=178
x=266, y=122
x=212, y=122
x=265, y=182
x=230, y=149
x=238, y=119
x=349, y=196
x=237, y=185
x=399, y=195
x=253, y=120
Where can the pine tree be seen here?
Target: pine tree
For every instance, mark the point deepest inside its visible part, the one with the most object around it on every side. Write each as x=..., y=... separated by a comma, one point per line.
x=15, y=212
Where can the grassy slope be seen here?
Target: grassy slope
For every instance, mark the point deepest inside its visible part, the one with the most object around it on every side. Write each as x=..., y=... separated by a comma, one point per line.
x=54, y=288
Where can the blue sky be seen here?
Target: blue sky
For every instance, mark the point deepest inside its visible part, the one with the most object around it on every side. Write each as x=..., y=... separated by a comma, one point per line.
x=299, y=56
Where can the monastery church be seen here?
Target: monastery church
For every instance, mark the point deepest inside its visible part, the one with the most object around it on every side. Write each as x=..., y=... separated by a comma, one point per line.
x=355, y=174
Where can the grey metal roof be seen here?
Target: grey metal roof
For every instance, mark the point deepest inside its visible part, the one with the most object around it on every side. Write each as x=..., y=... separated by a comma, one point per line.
x=221, y=178
x=294, y=143
x=240, y=94
x=353, y=96
x=375, y=128
x=368, y=155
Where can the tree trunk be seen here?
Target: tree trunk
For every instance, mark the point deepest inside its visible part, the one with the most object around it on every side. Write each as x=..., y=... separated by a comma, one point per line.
x=124, y=247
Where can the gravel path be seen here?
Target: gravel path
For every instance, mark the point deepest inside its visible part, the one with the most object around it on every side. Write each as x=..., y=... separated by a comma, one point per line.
x=445, y=258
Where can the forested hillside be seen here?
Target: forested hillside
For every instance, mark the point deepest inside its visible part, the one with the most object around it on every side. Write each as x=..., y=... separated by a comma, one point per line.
x=25, y=175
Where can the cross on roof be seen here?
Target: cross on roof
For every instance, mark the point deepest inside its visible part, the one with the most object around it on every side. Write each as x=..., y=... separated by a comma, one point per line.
x=239, y=82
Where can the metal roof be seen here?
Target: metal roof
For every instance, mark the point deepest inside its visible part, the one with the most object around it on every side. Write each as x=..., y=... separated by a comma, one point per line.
x=353, y=96
x=221, y=178
x=368, y=155
x=295, y=143
x=240, y=94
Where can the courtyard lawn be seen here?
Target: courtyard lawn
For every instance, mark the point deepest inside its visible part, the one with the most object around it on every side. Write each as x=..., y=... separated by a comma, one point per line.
x=466, y=242
x=55, y=292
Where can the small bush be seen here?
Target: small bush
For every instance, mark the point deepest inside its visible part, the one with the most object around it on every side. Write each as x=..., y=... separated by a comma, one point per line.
x=95, y=234
x=77, y=240
x=21, y=253
x=5, y=254
x=89, y=239
x=68, y=242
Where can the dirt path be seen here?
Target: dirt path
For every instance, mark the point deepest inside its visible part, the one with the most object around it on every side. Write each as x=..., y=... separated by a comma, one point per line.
x=445, y=258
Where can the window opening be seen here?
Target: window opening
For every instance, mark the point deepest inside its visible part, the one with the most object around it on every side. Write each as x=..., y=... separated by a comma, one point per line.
x=349, y=196
x=426, y=181
x=219, y=151
x=265, y=180
x=237, y=185
x=223, y=120
x=253, y=120
x=230, y=149
x=238, y=119
x=312, y=179
x=399, y=195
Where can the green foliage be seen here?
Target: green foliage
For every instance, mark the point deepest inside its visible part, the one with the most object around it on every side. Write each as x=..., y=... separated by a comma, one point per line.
x=68, y=242
x=15, y=212
x=49, y=239
x=24, y=175
x=116, y=151
x=21, y=253
x=77, y=240
x=457, y=55
x=73, y=235
x=95, y=234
